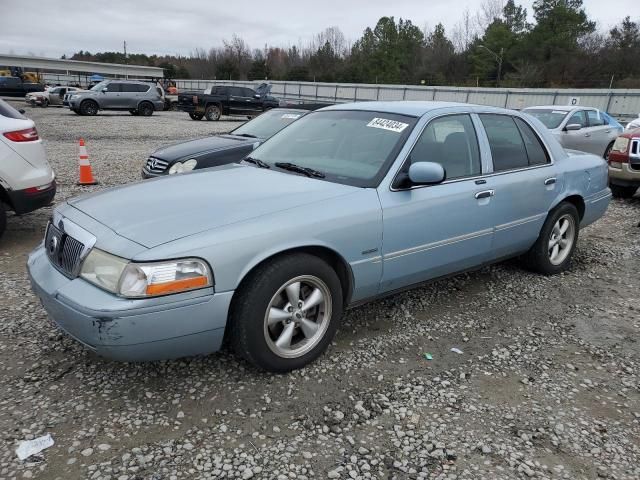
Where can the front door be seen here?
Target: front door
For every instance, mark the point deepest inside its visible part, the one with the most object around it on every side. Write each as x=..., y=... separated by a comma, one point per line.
x=111, y=97
x=431, y=231
x=576, y=139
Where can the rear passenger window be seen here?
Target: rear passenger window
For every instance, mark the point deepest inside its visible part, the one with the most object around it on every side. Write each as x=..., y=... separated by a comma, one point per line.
x=535, y=149
x=507, y=148
x=450, y=141
x=595, y=120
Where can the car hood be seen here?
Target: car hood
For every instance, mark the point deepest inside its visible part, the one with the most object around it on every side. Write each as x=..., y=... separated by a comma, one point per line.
x=191, y=148
x=165, y=209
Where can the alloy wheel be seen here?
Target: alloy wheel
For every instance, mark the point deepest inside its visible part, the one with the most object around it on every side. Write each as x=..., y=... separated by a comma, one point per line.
x=561, y=239
x=297, y=316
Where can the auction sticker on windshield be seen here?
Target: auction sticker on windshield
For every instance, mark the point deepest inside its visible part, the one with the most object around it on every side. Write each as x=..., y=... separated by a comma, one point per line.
x=386, y=124
x=291, y=116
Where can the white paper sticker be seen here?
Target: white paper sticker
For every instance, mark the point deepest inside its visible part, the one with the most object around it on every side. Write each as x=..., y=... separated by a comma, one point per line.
x=31, y=447
x=292, y=116
x=386, y=124
x=559, y=112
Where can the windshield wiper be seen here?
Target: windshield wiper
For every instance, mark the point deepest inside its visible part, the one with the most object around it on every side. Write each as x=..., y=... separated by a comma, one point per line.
x=257, y=162
x=292, y=167
x=248, y=135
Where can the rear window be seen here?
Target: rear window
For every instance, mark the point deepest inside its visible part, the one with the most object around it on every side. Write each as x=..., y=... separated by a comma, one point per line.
x=8, y=111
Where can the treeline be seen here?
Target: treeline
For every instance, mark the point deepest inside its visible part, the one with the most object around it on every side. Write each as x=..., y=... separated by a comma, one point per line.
x=502, y=44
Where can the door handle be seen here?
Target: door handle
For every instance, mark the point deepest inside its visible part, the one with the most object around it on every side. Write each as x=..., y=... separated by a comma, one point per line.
x=587, y=134
x=550, y=181
x=485, y=194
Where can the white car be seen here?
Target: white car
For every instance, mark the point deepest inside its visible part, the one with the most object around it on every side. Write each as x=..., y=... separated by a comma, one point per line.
x=27, y=181
x=51, y=96
x=633, y=124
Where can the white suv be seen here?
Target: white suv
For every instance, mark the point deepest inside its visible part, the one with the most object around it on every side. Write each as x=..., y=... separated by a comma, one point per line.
x=26, y=179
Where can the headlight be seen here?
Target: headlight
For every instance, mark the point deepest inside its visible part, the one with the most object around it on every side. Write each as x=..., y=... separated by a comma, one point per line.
x=137, y=280
x=180, y=167
x=621, y=144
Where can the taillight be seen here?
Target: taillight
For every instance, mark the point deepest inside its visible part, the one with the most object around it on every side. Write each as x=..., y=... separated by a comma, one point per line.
x=27, y=135
x=195, y=99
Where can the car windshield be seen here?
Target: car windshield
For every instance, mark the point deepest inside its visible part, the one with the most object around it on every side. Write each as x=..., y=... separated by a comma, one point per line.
x=98, y=86
x=551, y=118
x=350, y=147
x=268, y=124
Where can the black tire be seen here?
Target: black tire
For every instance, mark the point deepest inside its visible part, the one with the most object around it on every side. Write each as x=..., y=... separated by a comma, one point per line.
x=134, y=112
x=195, y=116
x=88, y=107
x=620, y=191
x=538, y=257
x=213, y=113
x=3, y=219
x=77, y=112
x=608, y=151
x=247, y=329
x=145, y=109
x=45, y=103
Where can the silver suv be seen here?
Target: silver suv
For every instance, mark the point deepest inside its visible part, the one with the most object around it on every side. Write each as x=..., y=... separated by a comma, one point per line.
x=139, y=98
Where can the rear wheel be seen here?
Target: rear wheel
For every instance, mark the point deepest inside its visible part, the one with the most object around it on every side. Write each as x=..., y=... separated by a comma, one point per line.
x=554, y=248
x=195, y=116
x=88, y=107
x=213, y=113
x=286, y=313
x=145, y=109
x=620, y=191
x=3, y=219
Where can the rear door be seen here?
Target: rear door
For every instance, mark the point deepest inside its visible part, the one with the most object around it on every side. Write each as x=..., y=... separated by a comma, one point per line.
x=599, y=131
x=524, y=180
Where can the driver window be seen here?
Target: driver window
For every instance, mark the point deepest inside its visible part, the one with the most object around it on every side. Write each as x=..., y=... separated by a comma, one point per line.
x=450, y=141
x=578, y=118
x=113, y=87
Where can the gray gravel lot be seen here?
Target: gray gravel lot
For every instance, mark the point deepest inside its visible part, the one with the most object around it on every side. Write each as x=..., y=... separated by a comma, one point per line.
x=547, y=386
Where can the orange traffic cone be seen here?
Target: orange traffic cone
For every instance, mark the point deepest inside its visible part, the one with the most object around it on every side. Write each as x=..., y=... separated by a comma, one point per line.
x=86, y=176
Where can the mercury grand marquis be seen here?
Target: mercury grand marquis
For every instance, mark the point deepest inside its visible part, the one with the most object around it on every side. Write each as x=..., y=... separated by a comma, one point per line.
x=349, y=203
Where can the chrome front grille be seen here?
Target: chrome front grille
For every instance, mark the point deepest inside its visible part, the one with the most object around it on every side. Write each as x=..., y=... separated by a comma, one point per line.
x=155, y=165
x=64, y=251
x=634, y=154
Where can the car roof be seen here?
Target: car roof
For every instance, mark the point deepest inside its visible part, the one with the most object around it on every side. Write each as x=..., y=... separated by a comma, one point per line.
x=560, y=108
x=404, y=107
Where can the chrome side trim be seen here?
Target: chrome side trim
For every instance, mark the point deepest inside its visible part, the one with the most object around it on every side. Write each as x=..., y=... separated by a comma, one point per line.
x=521, y=221
x=376, y=259
x=440, y=243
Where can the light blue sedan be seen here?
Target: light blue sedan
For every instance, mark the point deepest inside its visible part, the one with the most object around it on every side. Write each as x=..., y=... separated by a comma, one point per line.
x=348, y=204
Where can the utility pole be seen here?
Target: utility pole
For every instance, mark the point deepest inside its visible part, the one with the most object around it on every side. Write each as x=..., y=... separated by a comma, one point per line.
x=499, y=59
x=125, y=59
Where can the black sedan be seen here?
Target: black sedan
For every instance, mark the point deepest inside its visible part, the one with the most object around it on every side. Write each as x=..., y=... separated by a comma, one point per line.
x=220, y=149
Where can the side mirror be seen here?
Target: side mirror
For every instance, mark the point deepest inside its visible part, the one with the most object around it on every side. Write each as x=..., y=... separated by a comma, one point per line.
x=105, y=90
x=21, y=111
x=426, y=173
x=257, y=96
x=572, y=127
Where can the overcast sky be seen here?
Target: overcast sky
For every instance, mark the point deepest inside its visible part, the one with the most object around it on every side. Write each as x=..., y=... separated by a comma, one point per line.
x=52, y=28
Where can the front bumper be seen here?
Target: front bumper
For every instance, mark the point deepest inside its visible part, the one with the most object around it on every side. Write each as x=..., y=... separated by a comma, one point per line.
x=25, y=201
x=625, y=176
x=159, y=328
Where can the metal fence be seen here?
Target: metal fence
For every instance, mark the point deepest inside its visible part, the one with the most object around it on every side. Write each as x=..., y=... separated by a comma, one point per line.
x=623, y=104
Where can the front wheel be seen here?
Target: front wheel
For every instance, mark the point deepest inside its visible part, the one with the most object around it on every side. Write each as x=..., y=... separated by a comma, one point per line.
x=552, y=252
x=213, y=113
x=88, y=107
x=286, y=313
x=619, y=191
x=45, y=103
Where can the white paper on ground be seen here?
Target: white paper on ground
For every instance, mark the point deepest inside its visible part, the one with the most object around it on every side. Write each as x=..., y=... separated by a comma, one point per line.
x=31, y=447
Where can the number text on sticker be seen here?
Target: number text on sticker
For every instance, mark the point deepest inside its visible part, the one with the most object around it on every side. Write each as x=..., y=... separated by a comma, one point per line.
x=387, y=124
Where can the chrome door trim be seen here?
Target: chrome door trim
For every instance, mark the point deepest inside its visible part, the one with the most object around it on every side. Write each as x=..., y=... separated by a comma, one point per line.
x=520, y=221
x=439, y=243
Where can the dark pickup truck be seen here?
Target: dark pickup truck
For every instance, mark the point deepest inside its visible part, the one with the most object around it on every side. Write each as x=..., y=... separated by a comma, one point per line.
x=15, y=87
x=227, y=100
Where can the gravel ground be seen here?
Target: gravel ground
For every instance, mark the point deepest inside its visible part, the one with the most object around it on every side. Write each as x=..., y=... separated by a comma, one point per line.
x=547, y=385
